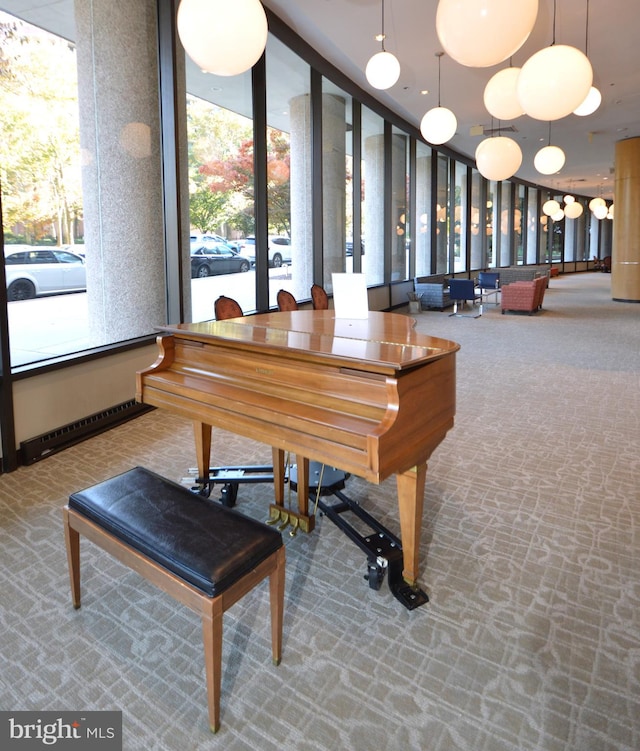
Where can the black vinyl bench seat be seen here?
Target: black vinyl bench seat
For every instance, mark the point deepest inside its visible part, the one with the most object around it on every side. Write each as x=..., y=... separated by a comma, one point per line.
x=203, y=554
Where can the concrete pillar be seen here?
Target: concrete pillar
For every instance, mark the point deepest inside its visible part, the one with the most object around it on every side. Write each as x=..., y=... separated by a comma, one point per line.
x=122, y=171
x=625, y=267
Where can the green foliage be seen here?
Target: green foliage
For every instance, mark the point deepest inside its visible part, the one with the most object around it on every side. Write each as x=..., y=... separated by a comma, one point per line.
x=221, y=162
x=39, y=132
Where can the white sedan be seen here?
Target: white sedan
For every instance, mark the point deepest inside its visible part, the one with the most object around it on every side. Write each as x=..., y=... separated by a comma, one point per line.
x=35, y=271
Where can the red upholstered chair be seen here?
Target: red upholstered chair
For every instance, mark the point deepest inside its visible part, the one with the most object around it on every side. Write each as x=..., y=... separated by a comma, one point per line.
x=319, y=298
x=286, y=301
x=524, y=296
x=227, y=307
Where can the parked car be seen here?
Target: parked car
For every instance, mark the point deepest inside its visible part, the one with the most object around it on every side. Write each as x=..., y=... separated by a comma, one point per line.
x=34, y=271
x=199, y=240
x=212, y=259
x=349, y=247
x=279, y=250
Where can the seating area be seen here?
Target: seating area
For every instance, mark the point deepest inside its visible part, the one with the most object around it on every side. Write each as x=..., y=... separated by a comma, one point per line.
x=524, y=297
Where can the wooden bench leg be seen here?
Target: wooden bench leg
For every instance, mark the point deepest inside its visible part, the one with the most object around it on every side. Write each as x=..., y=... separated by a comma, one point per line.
x=72, y=540
x=212, y=636
x=276, y=599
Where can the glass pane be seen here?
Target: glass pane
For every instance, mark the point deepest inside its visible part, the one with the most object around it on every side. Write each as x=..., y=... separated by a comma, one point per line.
x=221, y=203
x=477, y=225
x=506, y=219
x=532, y=225
x=442, y=216
x=337, y=184
x=289, y=172
x=399, y=204
x=460, y=217
x=423, y=209
x=373, y=196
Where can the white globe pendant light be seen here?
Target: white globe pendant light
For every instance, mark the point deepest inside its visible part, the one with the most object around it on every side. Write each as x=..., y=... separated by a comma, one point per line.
x=500, y=95
x=549, y=160
x=573, y=210
x=558, y=216
x=481, y=33
x=554, y=82
x=221, y=37
x=383, y=70
x=550, y=207
x=590, y=104
x=600, y=211
x=438, y=125
x=498, y=158
x=596, y=202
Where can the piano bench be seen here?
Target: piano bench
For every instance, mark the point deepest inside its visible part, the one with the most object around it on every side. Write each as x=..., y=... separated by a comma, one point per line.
x=202, y=554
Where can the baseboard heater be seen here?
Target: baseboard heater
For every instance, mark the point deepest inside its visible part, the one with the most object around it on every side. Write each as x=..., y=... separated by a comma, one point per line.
x=34, y=449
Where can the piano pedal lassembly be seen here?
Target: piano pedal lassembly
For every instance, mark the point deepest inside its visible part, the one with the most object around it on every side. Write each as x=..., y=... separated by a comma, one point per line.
x=382, y=548
x=229, y=478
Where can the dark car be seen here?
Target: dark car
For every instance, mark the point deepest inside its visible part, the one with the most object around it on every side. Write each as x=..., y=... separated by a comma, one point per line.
x=212, y=259
x=349, y=247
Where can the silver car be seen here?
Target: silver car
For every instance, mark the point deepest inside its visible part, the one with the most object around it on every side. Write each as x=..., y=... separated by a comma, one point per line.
x=33, y=271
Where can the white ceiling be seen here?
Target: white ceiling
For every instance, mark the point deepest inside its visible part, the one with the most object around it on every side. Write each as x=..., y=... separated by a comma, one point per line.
x=343, y=31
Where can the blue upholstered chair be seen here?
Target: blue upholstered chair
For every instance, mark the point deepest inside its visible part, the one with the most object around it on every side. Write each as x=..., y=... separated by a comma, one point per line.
x=461, y=291
x=489, y=284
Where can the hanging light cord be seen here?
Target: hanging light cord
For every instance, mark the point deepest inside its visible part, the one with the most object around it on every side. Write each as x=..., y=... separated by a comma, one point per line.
x=586, y=40
x=554, y=23
x=383, y=34
x=439, y=56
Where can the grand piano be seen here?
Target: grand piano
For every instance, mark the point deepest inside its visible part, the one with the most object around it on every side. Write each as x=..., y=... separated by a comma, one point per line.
x=371, y=397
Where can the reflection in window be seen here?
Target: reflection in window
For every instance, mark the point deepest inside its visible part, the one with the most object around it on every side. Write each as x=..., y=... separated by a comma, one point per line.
x=476, y=221
x=460, y=217
x=442, y=216
x=399, y=204
x=423, y=209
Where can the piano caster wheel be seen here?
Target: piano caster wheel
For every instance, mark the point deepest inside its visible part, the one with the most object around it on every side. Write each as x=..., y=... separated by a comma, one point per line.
x=228, y=494
x=375, y=574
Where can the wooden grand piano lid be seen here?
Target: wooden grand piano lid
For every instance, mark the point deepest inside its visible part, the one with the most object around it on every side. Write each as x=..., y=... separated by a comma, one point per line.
x=383, y=342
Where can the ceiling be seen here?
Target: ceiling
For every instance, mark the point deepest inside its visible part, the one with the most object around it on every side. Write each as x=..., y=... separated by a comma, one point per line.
x=343, y=32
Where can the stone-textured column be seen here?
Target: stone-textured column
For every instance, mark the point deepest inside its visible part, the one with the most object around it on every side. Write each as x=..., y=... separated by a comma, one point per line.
x=625, y=267
x=374, y=208
x=122, y=171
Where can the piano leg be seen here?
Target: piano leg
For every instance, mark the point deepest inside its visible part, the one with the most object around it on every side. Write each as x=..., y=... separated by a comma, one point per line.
x=411, y=486
x=302, y=465
x=278, y=475
x=202, y=433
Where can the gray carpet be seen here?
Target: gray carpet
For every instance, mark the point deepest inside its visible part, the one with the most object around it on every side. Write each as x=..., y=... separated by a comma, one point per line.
x=530, y=555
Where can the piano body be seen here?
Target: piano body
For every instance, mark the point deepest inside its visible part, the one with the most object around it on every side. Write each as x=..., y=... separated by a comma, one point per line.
x=370, y=397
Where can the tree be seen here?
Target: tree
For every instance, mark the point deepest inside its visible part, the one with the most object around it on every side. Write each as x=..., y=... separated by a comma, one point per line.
x=39, y=143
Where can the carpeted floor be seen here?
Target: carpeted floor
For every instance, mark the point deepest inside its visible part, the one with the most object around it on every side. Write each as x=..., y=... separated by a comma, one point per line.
x=530, y=555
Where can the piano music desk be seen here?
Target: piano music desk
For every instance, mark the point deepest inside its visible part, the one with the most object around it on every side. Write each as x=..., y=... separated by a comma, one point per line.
x=370, y=397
